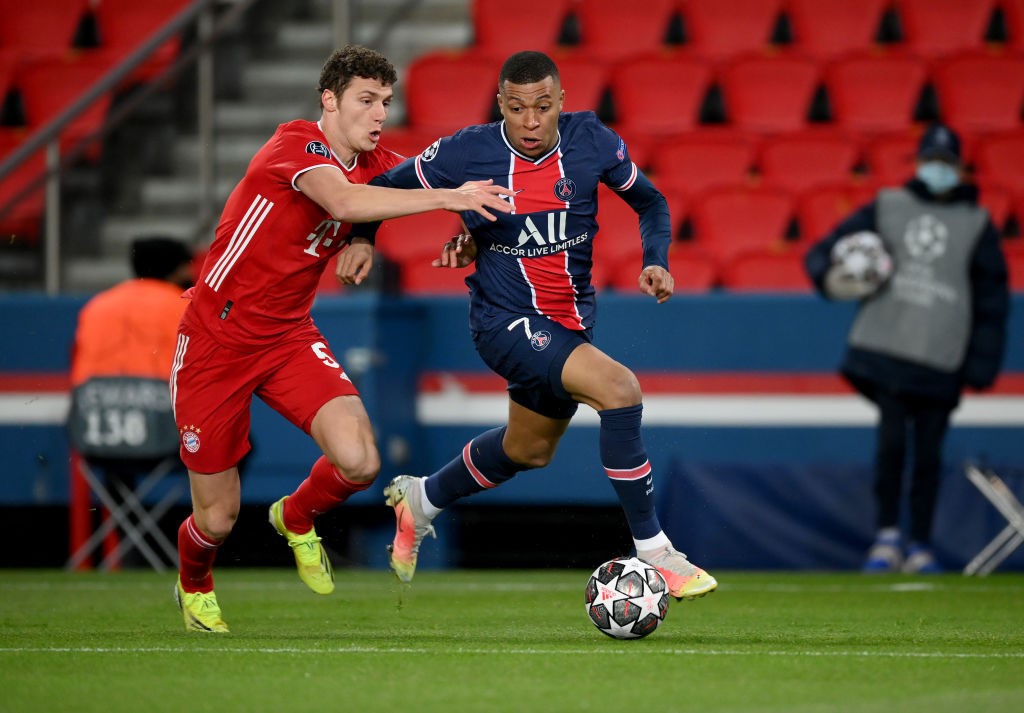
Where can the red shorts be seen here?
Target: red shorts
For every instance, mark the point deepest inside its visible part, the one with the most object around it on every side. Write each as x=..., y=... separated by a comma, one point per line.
x=212, y=388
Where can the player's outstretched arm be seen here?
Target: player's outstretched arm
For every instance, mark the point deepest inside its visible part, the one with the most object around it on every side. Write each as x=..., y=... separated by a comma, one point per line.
x=458, y=251
x=657, y=282
x=359, y=203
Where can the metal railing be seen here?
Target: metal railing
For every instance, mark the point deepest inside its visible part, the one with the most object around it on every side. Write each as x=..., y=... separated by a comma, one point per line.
x=210, y=27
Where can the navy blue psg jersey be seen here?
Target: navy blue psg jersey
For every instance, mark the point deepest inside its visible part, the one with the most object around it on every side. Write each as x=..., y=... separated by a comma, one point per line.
x=537, y=259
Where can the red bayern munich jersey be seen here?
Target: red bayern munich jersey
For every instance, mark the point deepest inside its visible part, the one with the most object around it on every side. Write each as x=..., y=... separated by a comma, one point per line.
x=273, y=242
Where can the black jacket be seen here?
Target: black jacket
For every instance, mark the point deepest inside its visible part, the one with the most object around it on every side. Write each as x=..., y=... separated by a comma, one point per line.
x=870, y=371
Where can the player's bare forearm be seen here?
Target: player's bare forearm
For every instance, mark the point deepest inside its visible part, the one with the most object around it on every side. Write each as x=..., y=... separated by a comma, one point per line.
x=459, y=251
x=358, y=203
x=355, y=262
x=657, y=282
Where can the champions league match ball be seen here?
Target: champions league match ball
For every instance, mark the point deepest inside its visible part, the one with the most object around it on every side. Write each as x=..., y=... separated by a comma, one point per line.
x=626, y=598
x=863, y=258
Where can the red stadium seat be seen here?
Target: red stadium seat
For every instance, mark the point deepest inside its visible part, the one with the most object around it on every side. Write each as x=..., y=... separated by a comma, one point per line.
x=766, y=271
x=583, y=78
x=1015, y=265
x=874, y=93
x=21, y=213
x=417, y=236
x=769, y=94
x=619, y=225
x=692, y=270
x=419, y=277
x=613, y=29
x=890, y=159
x=820, y=210
x=980, y=92
x=797, y=162
x=724, y=29
x=728, y=221
x=44, y=26
x=998, y=201
x=36, y=79
x=1013, y=16
x=447, y=90
x=501, y=32
x=659, y=94
x=406, y=142
x=827, y=29
x=700, y=160
x=125, y=25
x=10, y=60
x=932, y=28
x=999, y=160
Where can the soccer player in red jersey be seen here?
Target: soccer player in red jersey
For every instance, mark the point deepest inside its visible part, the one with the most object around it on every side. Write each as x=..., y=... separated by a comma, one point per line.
x=248, y=328
x=532, y=306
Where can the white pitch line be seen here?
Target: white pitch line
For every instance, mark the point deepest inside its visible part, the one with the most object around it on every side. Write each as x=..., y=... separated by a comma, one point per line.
x=405, y=650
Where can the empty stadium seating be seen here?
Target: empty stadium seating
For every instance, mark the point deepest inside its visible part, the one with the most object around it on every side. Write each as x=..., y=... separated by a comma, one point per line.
x=40, y=26
x=583, y=79
x=980, y=92
x=74, y=74
x=415, y=237
x=875, y=92
x=696, y=161
x=419, y=277
x=691, y=269
x=613, y=30
x=828, y=29
x=447, y=90
x=771, y=270
x=125, y=25
x=659, y=94
x=728, y=221
x=800, y=161
x=999, y=160
x=725, y=29
x=769, y=94
x=501, y=32
x=890, y=159
x=820, y=210
x=932, y=28
x=21, y=212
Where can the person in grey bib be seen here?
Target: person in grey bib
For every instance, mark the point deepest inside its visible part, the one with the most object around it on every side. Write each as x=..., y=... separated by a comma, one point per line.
x=925, y=263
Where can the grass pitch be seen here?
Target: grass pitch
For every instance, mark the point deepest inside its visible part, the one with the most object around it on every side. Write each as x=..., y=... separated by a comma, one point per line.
x=510, y=641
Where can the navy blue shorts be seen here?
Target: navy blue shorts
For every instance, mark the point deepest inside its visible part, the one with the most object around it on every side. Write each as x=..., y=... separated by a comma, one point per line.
x=529, y=353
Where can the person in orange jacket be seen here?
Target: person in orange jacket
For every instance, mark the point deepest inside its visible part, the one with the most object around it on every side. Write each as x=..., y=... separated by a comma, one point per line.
x=131, y=329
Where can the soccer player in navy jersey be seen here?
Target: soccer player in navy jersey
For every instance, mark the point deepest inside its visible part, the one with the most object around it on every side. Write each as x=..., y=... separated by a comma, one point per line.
x=248, y=329
x=532, y=306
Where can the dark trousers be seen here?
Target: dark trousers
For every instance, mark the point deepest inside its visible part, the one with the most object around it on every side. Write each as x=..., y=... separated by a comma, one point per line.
x=925, y=421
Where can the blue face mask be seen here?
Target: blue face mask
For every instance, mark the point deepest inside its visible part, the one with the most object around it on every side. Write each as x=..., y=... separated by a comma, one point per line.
x=938, y=176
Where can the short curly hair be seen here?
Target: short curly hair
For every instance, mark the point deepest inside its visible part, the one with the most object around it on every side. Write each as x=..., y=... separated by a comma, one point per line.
x=353, y=61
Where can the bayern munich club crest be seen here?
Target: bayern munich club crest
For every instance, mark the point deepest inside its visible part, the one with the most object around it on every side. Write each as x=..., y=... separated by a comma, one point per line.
x=318, y=148
x=540, y=340
x=190, y=439
x=565, y=189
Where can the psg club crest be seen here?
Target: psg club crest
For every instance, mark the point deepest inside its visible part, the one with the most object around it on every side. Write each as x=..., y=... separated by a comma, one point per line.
x=431, y=151
x=540, y=340
x=318, y=148
x=565, y=189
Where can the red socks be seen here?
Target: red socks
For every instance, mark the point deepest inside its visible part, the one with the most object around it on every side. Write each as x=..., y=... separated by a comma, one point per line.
x=196, y=552
x=323, y=490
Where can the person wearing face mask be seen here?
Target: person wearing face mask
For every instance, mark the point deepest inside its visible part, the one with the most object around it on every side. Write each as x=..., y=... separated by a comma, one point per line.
x=935, y=326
